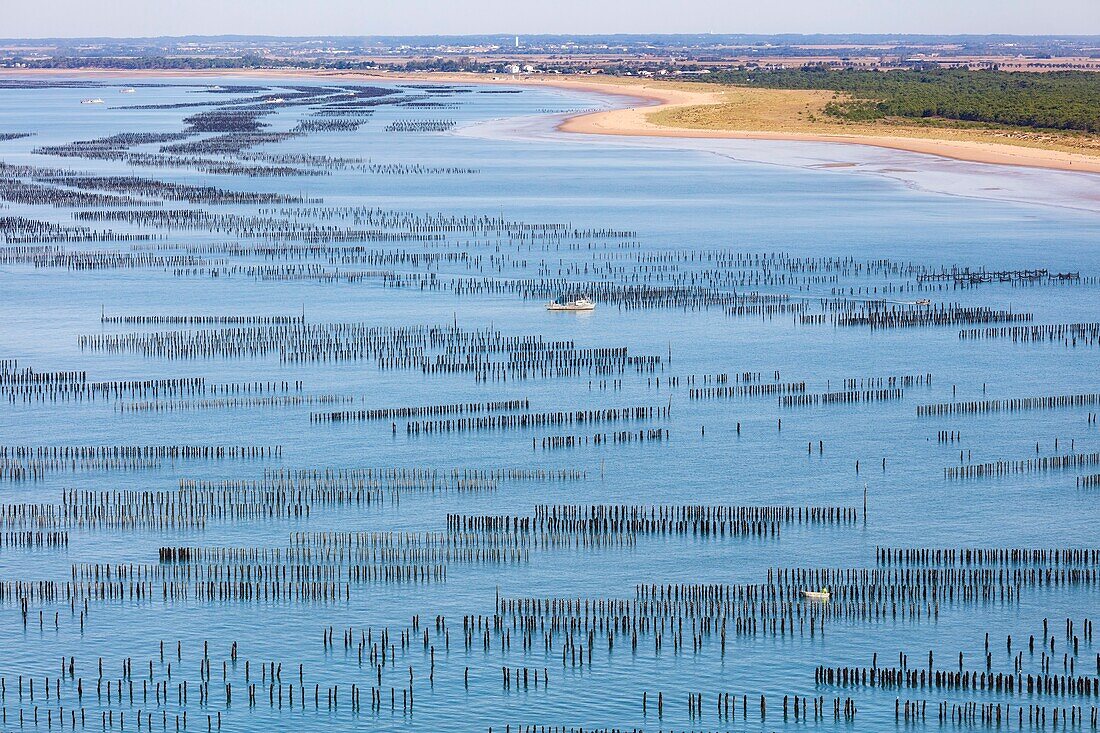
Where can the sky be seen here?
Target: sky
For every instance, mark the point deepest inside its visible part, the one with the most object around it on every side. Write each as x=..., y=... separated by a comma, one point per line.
x=134, y=18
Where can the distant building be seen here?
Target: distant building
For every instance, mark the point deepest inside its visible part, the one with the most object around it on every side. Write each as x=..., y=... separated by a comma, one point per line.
x=512, y=68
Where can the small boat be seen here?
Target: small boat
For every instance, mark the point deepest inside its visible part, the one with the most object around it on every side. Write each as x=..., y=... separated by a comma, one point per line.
x=922, y=301
x=578, y=304
x=91, y=101
x=274, y=100
x=816, y=595
x=127, y=90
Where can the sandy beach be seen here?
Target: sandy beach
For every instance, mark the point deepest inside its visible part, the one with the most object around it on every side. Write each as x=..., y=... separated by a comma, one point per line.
x=637, y=121
x=652, y=100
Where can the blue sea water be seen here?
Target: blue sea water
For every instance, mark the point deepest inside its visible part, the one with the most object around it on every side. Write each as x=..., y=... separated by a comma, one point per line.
x=676, y=200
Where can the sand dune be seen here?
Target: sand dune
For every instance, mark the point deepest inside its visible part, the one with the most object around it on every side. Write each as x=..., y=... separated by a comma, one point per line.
x=637, y=121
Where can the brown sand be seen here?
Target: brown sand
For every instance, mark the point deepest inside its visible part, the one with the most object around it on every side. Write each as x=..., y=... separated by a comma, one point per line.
x=640, y=121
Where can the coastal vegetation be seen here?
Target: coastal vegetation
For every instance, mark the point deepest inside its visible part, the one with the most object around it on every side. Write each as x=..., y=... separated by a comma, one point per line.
x=1066, y=100
x=765, y=106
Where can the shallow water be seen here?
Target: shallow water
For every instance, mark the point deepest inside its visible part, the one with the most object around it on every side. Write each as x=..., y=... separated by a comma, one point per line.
x=674, y=199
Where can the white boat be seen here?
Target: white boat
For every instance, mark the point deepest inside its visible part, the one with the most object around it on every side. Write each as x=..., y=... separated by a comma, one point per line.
x=578, y=304
x=922, y=301
x=91, y=101
x=127, y=90
x=816, y=595
x=275, y=100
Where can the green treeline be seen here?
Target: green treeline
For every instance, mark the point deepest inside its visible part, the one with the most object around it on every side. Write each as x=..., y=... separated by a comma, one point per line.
x=1063, y=100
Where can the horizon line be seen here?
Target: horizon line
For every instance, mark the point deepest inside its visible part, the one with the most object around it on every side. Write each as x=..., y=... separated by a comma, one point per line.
x=511, y=34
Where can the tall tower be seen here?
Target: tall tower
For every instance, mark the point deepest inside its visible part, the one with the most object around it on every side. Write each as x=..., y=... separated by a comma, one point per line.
x=517, y=41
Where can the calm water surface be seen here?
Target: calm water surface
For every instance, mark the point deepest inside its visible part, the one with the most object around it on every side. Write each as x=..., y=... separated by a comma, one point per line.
x=672, y=203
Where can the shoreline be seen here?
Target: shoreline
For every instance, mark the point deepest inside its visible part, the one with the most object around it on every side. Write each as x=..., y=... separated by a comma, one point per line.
x=634, y=121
